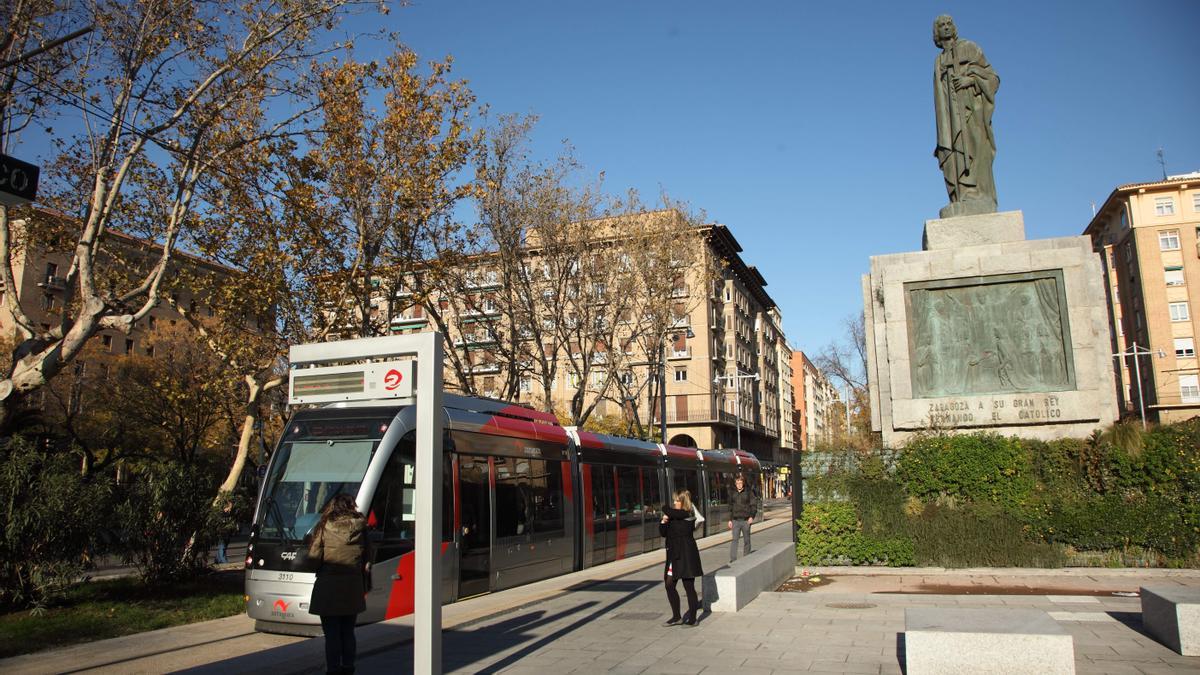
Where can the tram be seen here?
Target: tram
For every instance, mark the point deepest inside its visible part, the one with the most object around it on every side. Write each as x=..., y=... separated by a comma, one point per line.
x=524, y=498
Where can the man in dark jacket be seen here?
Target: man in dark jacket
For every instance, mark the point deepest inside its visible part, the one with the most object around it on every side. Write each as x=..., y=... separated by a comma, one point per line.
x=742, y=507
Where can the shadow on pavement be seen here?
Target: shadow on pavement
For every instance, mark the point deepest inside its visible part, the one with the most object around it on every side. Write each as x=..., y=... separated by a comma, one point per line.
x=462, y=648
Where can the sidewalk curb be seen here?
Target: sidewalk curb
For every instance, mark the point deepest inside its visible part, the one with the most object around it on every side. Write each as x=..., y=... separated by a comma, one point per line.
x=1065, y=572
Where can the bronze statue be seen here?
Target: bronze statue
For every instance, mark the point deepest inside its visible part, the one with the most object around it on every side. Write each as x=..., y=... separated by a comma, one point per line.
x=964, y=95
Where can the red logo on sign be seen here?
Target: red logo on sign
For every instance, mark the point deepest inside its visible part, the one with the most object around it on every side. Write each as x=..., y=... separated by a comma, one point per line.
x=392, y=379
x=281, y=605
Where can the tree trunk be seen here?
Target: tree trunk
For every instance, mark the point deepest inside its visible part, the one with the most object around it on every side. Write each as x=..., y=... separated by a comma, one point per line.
x=239, y=461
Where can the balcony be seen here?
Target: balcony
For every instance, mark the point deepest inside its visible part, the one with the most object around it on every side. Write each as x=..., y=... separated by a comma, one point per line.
x=474, y=340
x=702, y=413
x=53, y=282
x=486, y=368
x=677, y=354
x=408, y=322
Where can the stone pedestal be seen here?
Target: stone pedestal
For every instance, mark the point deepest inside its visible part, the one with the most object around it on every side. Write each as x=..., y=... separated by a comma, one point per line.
x=984, y=330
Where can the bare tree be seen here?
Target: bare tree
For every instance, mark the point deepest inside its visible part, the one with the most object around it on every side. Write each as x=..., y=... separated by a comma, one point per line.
x=845, y=361
x=157, y=80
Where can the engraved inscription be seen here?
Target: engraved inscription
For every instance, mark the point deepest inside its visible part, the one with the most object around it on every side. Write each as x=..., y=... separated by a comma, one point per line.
x=989, y=335
x=1018, y=409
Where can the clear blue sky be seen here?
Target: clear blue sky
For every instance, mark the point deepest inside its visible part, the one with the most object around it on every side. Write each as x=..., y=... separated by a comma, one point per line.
x=807, y=128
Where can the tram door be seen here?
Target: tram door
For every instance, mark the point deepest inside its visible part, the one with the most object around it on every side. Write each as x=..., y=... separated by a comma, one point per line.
x=603, y=515
x=475, y=568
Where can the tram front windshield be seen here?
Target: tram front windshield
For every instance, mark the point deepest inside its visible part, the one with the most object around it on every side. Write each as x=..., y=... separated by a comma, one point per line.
x=316, y=460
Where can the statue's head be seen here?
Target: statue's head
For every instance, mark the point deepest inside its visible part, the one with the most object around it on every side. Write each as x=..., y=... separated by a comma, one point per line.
x=944, y=29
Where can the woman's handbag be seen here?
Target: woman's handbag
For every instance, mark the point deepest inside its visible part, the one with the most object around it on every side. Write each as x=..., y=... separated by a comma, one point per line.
x=699, y=517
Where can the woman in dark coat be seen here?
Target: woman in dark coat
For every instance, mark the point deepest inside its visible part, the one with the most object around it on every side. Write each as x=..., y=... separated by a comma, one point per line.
x=683, y=558
x=339, y=546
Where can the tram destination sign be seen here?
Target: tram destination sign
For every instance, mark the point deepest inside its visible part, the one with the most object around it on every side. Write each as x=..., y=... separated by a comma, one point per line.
x=18, y=181
x=361, y=382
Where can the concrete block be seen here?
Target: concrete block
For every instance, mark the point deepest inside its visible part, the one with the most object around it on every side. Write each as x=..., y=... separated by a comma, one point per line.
x=989, y=228
x=1171, y=614
x=1005, y=640
x=1005, y=263
x=731, y=588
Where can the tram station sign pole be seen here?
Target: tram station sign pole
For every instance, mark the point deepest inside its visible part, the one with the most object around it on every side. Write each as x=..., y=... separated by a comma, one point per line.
x=427, y=589
x=378, y=380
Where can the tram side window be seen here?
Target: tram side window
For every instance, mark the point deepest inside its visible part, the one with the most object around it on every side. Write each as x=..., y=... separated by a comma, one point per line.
x=653, y=500
x=718, y=488
x=529, y=496
x=690, y=481
x=392, y=508
x=546, y=488
x=628, y=491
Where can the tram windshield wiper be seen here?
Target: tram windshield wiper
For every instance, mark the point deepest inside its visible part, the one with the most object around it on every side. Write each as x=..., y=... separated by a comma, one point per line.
x=274, y=510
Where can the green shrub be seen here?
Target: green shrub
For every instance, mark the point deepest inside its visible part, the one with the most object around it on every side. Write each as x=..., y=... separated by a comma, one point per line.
x=972, y=536
x=54, y=523
x=1116, y=522
x=974, y=468
x=170, y=521
x=830, y=534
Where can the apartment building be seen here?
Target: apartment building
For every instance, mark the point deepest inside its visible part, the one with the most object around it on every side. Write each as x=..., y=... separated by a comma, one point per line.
x=726, y=363
x=40, y=276
x=1148, y=236
x=814, y=399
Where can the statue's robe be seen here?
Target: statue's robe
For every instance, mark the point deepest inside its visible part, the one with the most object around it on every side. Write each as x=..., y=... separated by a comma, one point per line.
x=965, y=144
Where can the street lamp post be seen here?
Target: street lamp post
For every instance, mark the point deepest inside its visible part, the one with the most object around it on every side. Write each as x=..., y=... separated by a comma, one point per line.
x=1135, y=351
x=662, y=371
x=662, y=393
x=736, y=379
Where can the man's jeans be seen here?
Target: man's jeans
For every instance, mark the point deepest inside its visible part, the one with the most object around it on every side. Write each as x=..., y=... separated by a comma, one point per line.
x=742, y=527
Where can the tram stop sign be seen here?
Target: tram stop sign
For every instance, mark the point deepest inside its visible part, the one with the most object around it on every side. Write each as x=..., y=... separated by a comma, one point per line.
x=18, y=181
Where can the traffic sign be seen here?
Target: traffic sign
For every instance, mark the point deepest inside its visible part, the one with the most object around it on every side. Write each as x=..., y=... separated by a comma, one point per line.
x=18, y=181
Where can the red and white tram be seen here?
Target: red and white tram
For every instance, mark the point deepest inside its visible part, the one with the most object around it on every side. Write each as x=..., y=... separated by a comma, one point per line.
x=524, y=499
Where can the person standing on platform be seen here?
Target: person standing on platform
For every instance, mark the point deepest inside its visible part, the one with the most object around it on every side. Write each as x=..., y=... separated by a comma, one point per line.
x=339, y=546
x=742, y=507
x=683, y=557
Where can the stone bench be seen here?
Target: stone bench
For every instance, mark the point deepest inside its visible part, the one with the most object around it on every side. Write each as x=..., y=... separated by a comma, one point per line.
x=952, y=641
x=1171, y=614
x=731, y=588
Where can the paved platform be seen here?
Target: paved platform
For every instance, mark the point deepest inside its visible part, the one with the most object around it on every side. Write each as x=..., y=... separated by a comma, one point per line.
x=609, y=620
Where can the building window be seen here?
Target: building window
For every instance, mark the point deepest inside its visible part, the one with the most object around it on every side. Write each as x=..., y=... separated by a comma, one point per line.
x=1185, y=348
x=1164, y=206
x=150, y=350
x=1179, y=311
x=48, y=302
x=1168, y=240
x=1189, y=388
x=1173, y=276
x=106, y=340
x=1196, y=202
x=51, y=272
x=572, y=380
x=128, y=346
x=526, y=384
x=681, y=374
x=598, y=378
